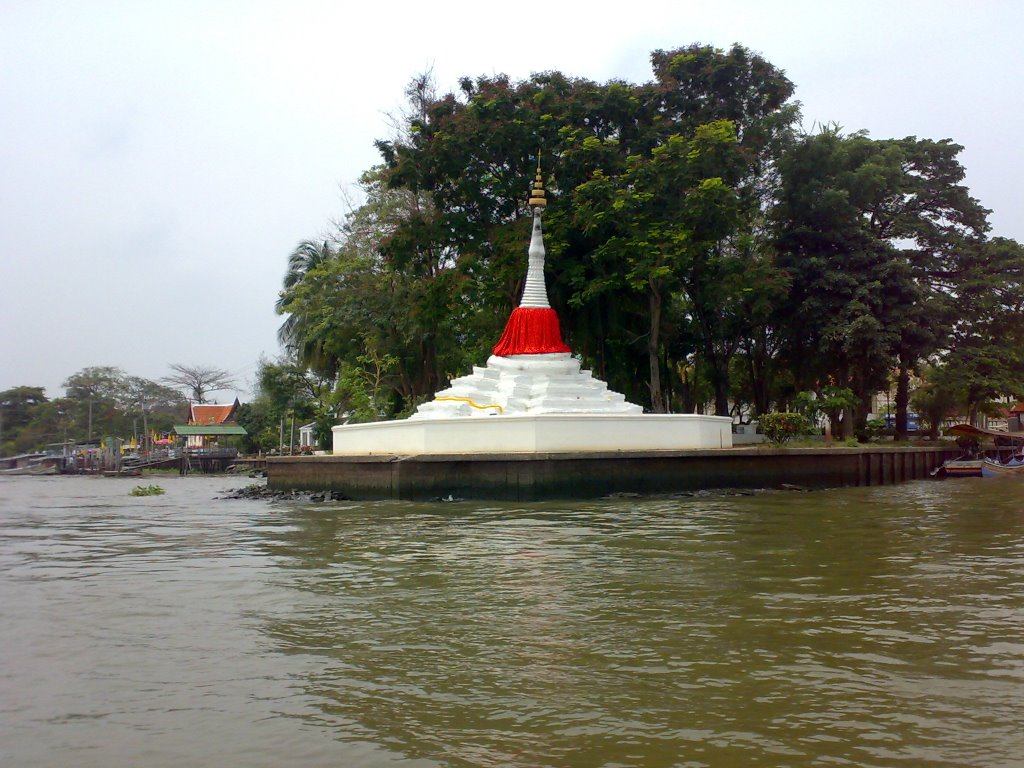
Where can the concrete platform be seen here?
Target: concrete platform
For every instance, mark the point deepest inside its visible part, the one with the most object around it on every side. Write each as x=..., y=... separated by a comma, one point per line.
x=528, y=433
x=551, y=475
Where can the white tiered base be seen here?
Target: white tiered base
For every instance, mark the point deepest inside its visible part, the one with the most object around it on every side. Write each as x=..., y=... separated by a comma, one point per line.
x=525, y=384
x=544, y=433
x=531, y=404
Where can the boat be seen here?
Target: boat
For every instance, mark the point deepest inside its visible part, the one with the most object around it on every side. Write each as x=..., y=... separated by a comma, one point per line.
x=973, y=462
x=961, y=468
x=991, y=468
x=32, y=469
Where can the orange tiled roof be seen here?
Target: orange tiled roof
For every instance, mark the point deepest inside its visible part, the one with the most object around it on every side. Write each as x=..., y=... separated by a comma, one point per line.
x=206, y=415
x=1018, y=408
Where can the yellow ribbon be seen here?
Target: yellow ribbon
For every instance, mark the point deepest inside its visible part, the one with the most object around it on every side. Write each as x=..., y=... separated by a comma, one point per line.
x=475, y=405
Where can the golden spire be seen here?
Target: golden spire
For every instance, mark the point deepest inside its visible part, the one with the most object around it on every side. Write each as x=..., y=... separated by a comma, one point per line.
x=537, y=193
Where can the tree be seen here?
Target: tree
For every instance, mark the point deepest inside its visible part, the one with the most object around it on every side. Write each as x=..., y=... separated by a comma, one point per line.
x=473, y=151
x=285, y=391
x=97, y=392
x=146, y=398
x=698, y=250
x=868, y=231
x=199, y=381
x=663, y=219
x=17, y=404
x=984, y=360
x=935, y=399
x=911, y=195
x=306, y=257
x=18, y=408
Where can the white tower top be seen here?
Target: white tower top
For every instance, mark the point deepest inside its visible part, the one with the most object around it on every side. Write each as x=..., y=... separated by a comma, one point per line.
x=535, y=292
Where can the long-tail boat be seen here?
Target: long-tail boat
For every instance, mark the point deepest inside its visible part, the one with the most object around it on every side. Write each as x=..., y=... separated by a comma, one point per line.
x=974, y=462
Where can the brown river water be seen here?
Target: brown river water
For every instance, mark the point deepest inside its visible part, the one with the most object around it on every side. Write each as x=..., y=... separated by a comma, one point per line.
x=854, y=627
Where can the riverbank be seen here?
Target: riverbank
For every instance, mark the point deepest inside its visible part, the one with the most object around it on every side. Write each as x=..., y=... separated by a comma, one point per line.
x=534, y=476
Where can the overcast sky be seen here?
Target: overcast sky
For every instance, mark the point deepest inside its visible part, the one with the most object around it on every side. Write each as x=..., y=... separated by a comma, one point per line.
x=159, y=160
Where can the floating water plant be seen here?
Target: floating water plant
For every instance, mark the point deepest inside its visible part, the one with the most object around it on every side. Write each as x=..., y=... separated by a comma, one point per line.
x=147, y=490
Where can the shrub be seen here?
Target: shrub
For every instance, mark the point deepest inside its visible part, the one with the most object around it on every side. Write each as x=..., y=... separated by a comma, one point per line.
x=783, y=427
x=873, y=430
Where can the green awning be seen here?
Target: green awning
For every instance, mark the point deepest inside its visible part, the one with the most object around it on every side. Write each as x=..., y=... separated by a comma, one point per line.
x=211, y=430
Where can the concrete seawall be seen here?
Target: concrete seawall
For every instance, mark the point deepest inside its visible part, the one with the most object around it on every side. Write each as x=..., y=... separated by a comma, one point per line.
x=525, y=477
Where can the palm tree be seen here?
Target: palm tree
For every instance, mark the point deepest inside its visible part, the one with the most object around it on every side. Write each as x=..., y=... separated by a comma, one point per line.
x=306, y=257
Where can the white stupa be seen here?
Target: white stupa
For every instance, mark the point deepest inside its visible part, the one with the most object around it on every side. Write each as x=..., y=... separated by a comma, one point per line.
x=532, y=396
x=531, y=370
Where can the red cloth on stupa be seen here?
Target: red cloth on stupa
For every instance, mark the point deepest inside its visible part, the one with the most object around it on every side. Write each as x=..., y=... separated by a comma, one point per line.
x=531, y=331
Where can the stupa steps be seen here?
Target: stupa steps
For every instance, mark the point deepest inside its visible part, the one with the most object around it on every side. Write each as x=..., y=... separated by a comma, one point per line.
x=520, y=383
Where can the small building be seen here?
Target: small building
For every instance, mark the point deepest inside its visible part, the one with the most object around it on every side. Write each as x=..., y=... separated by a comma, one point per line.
x=207, y=424
x=307, y=438
x=1015, y=418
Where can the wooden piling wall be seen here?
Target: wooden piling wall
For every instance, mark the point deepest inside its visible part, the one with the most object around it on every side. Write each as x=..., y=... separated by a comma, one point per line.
x=527, y=477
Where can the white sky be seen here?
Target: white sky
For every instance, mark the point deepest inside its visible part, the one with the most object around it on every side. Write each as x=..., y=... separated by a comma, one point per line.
x=160, y=160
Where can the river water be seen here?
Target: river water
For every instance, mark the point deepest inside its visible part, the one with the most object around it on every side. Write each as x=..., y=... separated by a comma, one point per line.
x=854, y=627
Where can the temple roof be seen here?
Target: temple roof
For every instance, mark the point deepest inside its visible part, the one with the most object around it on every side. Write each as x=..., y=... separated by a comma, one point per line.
x=206, y=414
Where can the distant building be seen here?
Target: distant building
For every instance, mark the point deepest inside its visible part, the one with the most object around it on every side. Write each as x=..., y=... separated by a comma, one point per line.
x=207, y=424
x=307, y=439
x=1015, y=418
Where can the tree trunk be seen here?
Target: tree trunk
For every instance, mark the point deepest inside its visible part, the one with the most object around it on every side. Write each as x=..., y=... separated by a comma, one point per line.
x=720, y=376
x=653, y=344
x=428, y=377
x=863, y=409
x=760, y=386
x=902, y=398
x=666, y=366
x=844, y=428
x=689, y=389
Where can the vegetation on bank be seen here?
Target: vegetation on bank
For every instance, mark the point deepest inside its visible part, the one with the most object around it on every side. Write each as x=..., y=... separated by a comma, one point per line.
x=705, y=254
x=101, y=401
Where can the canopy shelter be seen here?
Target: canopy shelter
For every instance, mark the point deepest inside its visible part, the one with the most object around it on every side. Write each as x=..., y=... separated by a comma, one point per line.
x=979, y=434
x=204, y=438
x=208, y=430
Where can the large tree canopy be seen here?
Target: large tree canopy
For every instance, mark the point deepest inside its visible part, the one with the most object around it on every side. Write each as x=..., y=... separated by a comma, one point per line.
x=702, y=253
x=873, y=234
x=699, y=139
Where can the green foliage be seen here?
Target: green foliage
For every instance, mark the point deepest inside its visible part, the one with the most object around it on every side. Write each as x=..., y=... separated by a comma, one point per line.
x=362, y=394
x=699, y=250
x=262, y=426
x=936, y=398
x=100, y=401
x=653, y=258
x=829, y=403
x=984, y=360
x=20, y=407
x=780, y=428
x=870, y=231
x=287, y=394
x=873, y=429
x=147, y=490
